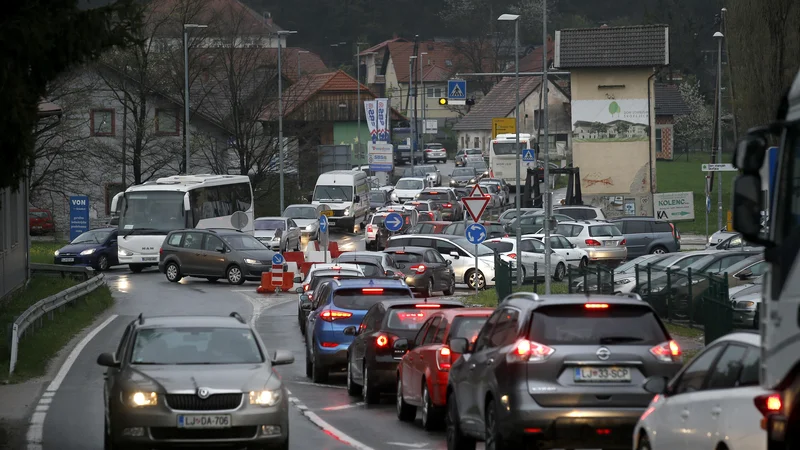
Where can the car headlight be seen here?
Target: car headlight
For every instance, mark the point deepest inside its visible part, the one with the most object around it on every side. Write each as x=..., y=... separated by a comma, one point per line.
x=123, y=252
x=265, y=398
x=310, y=227
x=472, y=180
x=746, y=305
x=250, y=261
x=623, y=281
x=87, y=252
x=142, y=398
x=695, y=281
x=347, y=211
x=657, y=288
x=56, y=253
x=393, y=197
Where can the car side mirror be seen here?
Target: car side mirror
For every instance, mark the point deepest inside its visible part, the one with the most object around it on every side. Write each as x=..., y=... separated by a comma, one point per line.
x=573, y=245
x=357, y=198
x=401, y=345
x=107, y=360
x=220, y=249
x=282, y=358
x=747, y=205
x=350, y=331
x=459, y=345
x=449, y=263
x=299, y=290
x=297, y=279
x=455, y=255
x=656, y=385
x=305, y=306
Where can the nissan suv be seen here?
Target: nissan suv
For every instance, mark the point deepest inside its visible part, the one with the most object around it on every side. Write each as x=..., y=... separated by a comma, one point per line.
x=562, y=372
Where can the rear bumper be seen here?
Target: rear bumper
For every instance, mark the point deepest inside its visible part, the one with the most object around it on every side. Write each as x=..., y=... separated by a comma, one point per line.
x=151, y=260
x=607, y=255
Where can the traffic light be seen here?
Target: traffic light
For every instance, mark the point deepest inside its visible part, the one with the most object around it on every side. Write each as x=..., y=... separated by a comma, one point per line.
x=443, y=101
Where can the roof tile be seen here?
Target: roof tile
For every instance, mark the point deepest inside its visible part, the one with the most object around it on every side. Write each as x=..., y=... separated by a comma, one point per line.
x=631, y=46
x=669, y=101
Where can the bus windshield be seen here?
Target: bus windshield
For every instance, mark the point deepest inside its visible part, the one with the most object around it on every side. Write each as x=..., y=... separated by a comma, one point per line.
x=507, y=148
x=333, y=194
x=154, y=212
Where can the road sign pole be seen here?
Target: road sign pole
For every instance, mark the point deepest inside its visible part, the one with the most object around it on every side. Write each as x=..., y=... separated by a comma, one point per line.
x=476, y=269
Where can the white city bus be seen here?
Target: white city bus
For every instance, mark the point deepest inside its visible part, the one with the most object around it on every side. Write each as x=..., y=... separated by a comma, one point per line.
x=503, y=158
x=147, y=212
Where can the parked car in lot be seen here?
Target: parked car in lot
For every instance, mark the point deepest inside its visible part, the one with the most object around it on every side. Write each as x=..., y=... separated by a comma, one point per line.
x=445, y=200
x=603, y=241
x=532, y=222
x=745, y=299
x=306, y=217
x=337, y=305
x=95, y=248
x=567, y=354
x=372, y=358
x=658, y=269
x=431, y=227
x=716, y=262
x=530, y=256
x=40, y=221
x=433, y=151
x=213, y=254
x=648, y=235
x=735, y=242
x=510, y=214
x=424, y=269
x=422, y=373
x=462, y=154
x=580, y=212
x=624, y=276
x=493, y=229
x=281, y=234
x=573, y=256
x=715, y=402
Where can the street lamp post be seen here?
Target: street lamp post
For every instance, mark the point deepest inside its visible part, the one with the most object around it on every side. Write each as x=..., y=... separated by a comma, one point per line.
x=186, y=27
x=719, y=36
x=280, y=113
x=414, y=111
x=515, y=18
x=358, y=94
x=300, y=52
x=424, y=98
x=548, y=210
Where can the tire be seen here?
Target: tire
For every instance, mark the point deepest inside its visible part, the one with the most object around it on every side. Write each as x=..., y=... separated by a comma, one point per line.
x=471, y=279
x=644, y=443
x=297, y=246
x=212, y=279
x=584, y=263
x=452, y=289
x=494, y=439
x=234, y=275
x=456, y=440
x=560, y=273
x=431, y=415
x=319, y=373
x=102, y=263
x=137, y=268
x=353, y=390
x=369, y=393
x=405, y=412
x=429, y=288
x=173, y=272
x=658, y=250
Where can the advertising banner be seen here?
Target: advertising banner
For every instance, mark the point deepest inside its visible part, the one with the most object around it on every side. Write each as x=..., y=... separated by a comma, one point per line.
x=382, y=113
x=380, y=157
x=388, y=120
x=674, y=205
x=78, y=215
x=624, y=120
x=370, y=106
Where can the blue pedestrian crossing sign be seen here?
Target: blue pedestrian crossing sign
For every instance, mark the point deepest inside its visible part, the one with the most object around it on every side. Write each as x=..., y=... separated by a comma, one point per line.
x=323, y=224
x=456, y=89
x=475, y=233
x=277, y=259
x=393, y=222
x=527, y=155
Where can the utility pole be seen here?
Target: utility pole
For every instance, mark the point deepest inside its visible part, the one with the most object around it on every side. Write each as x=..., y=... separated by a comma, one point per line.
x=414, y=106
x=719, y=36
x=358, y=95
x=424, y=97
x=280, y=114
x=124, y=134
x=548, y=207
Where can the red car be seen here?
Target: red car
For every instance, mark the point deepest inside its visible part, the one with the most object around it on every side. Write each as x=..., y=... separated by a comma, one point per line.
x=422, y=373
x=41, y=221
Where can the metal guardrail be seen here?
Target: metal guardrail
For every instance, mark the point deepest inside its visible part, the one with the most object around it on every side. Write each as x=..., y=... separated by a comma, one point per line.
x=48, y=305
x=63, y=270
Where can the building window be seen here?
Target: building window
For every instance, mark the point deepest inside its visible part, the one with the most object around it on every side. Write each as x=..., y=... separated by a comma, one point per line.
x=462, y=142
x=103, y=122
x=477, y=142
x=112, y=189
x=434, y=93
x=167, y=122
x=659, y=147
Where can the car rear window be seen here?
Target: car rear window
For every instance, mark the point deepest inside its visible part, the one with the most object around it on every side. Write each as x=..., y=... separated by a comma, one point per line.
x=409, y=317
x=364, y=298
x=377, y=220
x=662, y=227
x=403, y=258
x=370, y=269
x=433, y=196
x=578, y=325
x=604, y=231
x=467, y=327
x=500, y=247
x=317, y=280
x=421, y=206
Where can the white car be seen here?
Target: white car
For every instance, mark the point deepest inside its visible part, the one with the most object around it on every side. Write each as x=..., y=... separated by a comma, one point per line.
x=572, y=254
x=407, y=189
x=496, y=189
x=371, y=230
x=602, y=241
x=714, y=402
x=307, y=218
x=531, y=256
x=280, y=234
x=719, y=236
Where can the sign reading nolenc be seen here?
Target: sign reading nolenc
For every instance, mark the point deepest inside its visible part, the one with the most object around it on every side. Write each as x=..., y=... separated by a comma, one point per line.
x=78, y=216
x=674, y=205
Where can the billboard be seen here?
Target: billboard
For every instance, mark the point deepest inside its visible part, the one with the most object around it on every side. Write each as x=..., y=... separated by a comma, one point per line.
x=624, y=120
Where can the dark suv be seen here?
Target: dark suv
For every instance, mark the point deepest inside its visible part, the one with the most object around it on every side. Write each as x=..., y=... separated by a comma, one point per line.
x=646, y=235
x=561, y=372
x=214, y=254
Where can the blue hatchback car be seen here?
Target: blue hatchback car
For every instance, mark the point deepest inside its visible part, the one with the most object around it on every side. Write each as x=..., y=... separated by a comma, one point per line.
x=337, y=305
x=95, y=248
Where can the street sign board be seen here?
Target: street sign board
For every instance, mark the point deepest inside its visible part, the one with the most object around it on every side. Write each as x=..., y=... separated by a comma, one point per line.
x=674, y=205
x=277, y=259
x=431, y=126
x=475, y=233
x=503, y=125
x=718, y=168
x=393, y=222
x=79, y=216
x=475, y=206
x=456, y=89
x=527, y=155
x=476, y=191
x=380, y=157
x=323, y=224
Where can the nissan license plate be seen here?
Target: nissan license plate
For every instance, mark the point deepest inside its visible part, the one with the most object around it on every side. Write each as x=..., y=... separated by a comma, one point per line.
x=67, y=259
x=150, y=258
x=602, y=374
x=204, y=421
x=611, y=243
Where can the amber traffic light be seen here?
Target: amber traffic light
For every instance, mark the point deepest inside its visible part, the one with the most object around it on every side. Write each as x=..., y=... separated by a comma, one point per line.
x=443, y=101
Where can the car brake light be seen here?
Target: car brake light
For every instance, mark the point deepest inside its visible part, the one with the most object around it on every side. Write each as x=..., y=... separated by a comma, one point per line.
x=428, y=305
x=505, y=235
x=529, y=351
x=419, y=268
x=370, y=229
x=448, y=205
x=596, y=305
x=768, y=405
x=593, y=243
x=443, y=359
x=311, y=296
x=433, y=193
x=382, y=341
x=329, y=344
x=512, y=255
x=161, y=250
x=623, y=242
x=427, y=150
x=668, y=351
x=306, y=287
x=372, y=291
x=330, y=315
x=336, y=268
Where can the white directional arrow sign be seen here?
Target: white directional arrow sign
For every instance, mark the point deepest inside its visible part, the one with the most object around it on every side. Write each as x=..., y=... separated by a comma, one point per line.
x=475, y=206
x=393, y=222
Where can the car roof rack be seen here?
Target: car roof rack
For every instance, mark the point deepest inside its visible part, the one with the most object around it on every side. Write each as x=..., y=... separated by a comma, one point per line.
x=141, y=318
x=237, y=316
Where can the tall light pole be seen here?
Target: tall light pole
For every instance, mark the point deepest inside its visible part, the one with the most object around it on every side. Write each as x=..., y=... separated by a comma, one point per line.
x=548, y=210
x=719, y=36
x=280, y=111
x=424, y=97
x=518, y=194
x=358, y=94
x=413, y=111
x=300, y=52
x=186, y=27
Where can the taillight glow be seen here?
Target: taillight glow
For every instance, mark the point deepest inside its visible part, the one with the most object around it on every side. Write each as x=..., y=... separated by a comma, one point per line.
x=443, y=361
x=526, y=350
x=330, y=315
x=624, y=242
x=596, y=305
x=769, y=404
x=419, y=268
x=512, y=255
x=370, y=229
x=329, y=344
x=668, y=351
x=382, y=341
x=448, y=205
x=161, y=250
x=372, y=291
x=603, y=431
x=306, y=287
x=593, y=243
x=428, y=305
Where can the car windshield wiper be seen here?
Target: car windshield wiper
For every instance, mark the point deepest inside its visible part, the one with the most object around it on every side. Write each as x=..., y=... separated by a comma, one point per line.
x=607, y=340
x=135, y=230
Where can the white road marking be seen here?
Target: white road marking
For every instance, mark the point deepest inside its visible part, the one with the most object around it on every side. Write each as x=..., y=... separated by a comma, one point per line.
x=328, y=428
x=403, y=444
x=341, y=407
x=308, y=383
x=36, y=424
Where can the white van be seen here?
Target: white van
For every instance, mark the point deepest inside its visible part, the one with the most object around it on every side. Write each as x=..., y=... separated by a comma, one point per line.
x=347, y=193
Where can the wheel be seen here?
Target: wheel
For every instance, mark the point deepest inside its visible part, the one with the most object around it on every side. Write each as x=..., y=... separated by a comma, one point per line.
x=137, y=268
x=452, y=289
x=644, y=443
x=212, y=279
x=476, y=278
x=405, y=412
x=561, y=271
x=319, y=373
x=431, y=415
x=234, y=275
x=524, y=274
x=173, y=272
x=584, y=263
x=297, y=245
x=370, y=394
x=494, y=439
x=658, y=250
x=102, y=263
x=456, y=440
x=353, y=389
x=429, y=289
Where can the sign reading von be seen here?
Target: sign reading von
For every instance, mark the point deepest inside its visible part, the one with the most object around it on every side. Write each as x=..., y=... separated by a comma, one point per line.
x=78, y=215
x=674, y=206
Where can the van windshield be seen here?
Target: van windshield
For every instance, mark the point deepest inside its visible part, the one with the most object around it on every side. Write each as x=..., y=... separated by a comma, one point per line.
x=333, y=194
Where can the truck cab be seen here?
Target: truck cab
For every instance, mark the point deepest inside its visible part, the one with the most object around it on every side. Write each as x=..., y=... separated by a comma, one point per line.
x=780, y=235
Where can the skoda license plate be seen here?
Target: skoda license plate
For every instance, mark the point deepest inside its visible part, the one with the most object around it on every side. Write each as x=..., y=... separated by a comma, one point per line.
x=204, y=421
x=602, y=374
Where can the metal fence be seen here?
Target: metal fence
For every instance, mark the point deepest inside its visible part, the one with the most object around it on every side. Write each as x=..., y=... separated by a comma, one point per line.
x=597, y=279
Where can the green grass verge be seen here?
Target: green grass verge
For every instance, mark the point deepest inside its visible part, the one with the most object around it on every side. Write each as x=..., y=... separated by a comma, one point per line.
x=682, y=175
x=42, y=251
x=489, y=298
x=37, y=348
x=683, y=331
x=688, y=355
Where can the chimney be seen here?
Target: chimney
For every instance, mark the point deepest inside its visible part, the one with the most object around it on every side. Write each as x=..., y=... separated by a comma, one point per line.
x=604, y=26
x=268, y=17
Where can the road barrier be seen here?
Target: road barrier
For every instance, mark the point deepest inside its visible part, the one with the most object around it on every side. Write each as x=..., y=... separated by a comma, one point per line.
x=82, y=272
x=33, y=317
x=272, y=282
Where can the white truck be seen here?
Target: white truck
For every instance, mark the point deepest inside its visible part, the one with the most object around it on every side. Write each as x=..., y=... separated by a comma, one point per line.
x=780, y=319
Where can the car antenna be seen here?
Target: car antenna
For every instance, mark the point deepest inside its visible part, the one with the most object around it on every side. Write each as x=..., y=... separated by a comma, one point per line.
x=237, y=316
